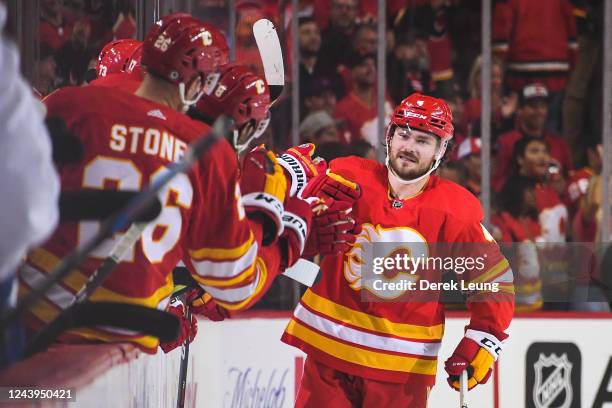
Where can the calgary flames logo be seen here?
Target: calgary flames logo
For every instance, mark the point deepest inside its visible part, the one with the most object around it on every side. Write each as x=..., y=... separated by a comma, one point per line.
x=392, y=241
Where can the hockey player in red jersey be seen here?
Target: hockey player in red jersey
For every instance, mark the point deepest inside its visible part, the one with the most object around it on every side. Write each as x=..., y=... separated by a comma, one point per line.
x=212, y=220
x=384, y=354
x=119, y=66
x=244, y=96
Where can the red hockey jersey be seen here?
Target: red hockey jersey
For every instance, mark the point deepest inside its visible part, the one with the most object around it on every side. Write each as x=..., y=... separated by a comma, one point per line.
x=128, y=142
x=537, y=39
x=126, y=82
x=396, y=341
x=361, y=119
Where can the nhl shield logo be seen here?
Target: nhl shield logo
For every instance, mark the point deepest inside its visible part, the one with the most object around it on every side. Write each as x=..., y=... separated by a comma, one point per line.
x=553, y=385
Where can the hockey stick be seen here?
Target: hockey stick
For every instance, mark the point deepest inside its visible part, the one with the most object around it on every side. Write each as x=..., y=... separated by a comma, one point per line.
x=463, y=389
x=271, y=55
x=136, y=318
x=115, y=224
x=180, y=399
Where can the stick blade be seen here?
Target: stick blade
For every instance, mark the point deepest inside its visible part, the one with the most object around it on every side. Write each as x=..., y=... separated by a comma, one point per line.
x=271, y=53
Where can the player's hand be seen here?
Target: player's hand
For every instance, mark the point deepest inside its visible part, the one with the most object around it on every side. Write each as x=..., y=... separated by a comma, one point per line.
x=263, y=187
x=332, y=185
x=333, y=229
x=187, y=330
x=300, y=166
x=297, y=219
x=476, y=353
x=203, y=304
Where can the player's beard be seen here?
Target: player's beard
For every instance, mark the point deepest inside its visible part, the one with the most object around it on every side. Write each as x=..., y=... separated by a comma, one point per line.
x=412, y=172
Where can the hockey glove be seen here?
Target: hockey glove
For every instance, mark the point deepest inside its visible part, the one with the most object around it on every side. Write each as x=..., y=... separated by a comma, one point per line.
x=333, y=229
x=476, y=353
x=296, y=220
x=263, y=186
x=332, y=185
x=187, y=330
x=300, y=166
x=203, y=304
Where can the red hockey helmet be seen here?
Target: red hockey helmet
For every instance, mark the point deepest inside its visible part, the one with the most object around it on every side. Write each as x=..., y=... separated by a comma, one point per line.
x=424, y=113
x=180, y=46
x=242, y=95
x=427, y=114
x=119, y=56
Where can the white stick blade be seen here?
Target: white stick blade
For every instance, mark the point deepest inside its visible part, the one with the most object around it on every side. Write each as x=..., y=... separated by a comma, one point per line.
x=270, y=50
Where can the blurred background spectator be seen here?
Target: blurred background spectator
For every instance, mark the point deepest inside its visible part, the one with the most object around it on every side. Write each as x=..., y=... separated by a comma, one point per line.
x=530, y=122
x=503, y=107
x=537, y=40
x=319, y=127
x=359, y=108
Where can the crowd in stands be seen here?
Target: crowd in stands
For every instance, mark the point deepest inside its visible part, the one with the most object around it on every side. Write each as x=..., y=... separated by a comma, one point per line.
x=546, y=93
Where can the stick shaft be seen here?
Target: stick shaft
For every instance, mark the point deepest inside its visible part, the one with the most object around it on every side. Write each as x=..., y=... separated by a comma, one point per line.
x=463, y=390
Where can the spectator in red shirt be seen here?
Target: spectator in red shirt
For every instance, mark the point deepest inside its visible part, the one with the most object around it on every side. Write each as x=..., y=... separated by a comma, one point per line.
x=530, y=121
x=55, y=25
x=359, y=108
x=537, y=39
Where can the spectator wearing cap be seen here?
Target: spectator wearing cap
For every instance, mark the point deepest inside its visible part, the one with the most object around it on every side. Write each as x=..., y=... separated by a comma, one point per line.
x=359, y=107
x=312, y=65
x=468, y=153
x=536, y=39
x=318, y=127
x=408, y=68
x=337, y=37
x=530, y=121
x=318, y=95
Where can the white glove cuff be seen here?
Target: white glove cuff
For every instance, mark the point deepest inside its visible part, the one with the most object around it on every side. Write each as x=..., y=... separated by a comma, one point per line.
x=269, y=204
x=486, y=341
x=296, y=172
x=298, y=225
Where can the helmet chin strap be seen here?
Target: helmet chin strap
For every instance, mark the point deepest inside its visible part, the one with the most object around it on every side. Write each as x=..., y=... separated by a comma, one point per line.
x=188, y=102
x=404, y=181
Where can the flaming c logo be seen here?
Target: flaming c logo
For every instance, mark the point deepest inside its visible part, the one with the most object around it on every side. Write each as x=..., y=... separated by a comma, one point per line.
x=398, y=239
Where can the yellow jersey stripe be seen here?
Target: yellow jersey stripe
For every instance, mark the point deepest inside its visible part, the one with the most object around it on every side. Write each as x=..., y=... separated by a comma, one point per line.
x=369, y=322
x=222, y=254
x=491, y=273
x=360, y=356
x=46, y=261
x=262, y=271
x=246, y=274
